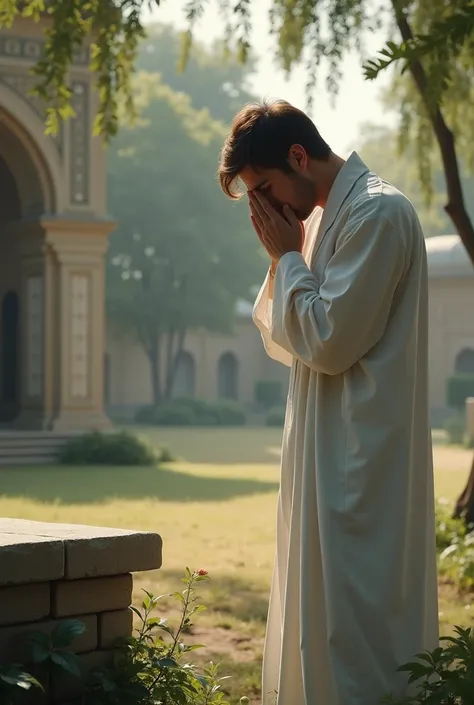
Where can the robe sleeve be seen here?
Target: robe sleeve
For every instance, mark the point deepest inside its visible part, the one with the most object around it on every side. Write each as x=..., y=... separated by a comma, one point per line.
x=331, y=325
x=262, y=316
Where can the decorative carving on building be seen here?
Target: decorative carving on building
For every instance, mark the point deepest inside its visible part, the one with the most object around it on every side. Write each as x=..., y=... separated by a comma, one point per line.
x=34, y=295
x=80, y=141
x=23, y=84
x=31, y=49
x=80, y=336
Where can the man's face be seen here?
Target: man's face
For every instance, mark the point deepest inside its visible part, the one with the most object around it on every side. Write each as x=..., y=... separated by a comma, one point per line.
x=295, y=189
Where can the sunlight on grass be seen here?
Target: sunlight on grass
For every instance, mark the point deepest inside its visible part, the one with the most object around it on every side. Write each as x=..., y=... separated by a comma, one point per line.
x=215, y=509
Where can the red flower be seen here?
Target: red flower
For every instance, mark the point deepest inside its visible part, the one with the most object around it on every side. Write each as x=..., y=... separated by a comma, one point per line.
x=202, y=572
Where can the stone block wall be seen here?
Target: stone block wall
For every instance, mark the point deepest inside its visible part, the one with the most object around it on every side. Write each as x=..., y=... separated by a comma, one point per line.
x=52, y=572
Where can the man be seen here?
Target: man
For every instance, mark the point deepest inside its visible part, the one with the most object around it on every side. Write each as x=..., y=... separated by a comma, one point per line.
x=345, y=304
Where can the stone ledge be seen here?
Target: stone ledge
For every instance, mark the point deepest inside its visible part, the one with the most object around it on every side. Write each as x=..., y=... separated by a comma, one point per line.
x=32, y=551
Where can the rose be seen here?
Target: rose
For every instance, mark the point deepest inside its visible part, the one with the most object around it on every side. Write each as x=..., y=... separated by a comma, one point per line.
x=202, y=572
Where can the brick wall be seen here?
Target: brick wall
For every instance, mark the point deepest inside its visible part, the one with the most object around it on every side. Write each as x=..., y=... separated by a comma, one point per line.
x=52, y=572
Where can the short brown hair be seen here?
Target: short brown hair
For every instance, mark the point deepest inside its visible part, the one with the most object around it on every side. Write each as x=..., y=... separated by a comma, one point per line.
x=261, y=137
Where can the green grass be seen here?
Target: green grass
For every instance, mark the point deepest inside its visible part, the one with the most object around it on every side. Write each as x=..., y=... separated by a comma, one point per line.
x=215, y=509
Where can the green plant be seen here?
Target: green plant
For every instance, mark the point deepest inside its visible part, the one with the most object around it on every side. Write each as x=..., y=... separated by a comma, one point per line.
x=444, y=676
x=268, y=393
x=118, y=448
x=193, y=412
x=152, y=667
x=456, y=562
x=227, y=413
x=459, y=388
x=14, y=681
x=455, y=428
x=448, y=529
x=276, y=417
x=49, y=650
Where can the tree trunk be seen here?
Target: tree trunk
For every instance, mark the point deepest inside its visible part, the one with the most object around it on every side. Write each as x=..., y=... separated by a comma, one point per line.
x=154, y=359
x=455, y=207
x=170, y=363
x=173, y=359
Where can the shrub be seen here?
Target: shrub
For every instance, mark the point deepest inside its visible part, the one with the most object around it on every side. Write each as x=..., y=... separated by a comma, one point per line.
x=146, y=415
x=276, y=417
x=268, y=393
x=455, y=428
x=193, y=412
x=443, y=676
x=448, y=530
x=173, y=414
x=153, y=666
x=459, y=388
x=118, y=448
x=227, y=413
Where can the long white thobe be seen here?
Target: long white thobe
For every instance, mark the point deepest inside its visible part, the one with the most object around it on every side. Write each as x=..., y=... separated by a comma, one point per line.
x=354, y=591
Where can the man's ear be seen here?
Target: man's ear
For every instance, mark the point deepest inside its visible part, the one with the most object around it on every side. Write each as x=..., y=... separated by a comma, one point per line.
x=297, y=157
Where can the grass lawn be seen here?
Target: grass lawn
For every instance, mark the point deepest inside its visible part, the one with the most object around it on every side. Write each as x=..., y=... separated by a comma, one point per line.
x=215, y=509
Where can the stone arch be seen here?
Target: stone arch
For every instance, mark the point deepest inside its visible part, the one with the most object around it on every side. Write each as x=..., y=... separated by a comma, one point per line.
x=184, y=383
x=10, y=339
x=464, y=363
x=228, y=376
x=32, y=159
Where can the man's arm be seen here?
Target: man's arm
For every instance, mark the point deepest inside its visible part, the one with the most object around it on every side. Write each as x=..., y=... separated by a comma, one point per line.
x=329, y=326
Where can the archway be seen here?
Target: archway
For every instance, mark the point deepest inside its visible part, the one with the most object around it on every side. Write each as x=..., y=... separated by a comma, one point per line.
x=26, y=193
x=184, y=383
x=464, y=363
x=227, y=376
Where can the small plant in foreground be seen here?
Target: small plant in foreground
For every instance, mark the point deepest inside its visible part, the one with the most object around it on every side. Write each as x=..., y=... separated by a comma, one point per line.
x=444, y=676
x=153, y=666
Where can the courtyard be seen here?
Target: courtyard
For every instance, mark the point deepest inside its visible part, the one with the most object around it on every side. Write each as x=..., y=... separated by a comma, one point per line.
x=215, y=509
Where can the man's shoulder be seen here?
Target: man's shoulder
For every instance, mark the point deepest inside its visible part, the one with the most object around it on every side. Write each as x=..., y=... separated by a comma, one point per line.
x=374, y=198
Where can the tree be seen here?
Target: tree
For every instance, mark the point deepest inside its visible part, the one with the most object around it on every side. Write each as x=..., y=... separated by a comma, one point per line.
x=220, y=86
x=173, y=265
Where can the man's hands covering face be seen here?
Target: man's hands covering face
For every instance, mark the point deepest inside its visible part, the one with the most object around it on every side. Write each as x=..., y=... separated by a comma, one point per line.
x=278, y=234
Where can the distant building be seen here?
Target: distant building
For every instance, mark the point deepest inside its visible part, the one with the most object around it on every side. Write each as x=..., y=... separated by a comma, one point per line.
x=218, y=366
x=451, y=281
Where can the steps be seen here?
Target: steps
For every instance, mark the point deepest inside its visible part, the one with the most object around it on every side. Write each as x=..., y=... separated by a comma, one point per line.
x=31, y=447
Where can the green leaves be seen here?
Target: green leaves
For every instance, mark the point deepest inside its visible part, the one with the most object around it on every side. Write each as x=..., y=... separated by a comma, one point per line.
x=66, y=632
x=16, y=676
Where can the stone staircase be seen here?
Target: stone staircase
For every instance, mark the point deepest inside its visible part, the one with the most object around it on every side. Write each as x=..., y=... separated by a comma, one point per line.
x=31, y=447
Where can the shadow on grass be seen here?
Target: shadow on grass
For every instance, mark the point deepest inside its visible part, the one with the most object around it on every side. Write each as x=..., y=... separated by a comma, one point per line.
x=230, y=596
x=93, y=485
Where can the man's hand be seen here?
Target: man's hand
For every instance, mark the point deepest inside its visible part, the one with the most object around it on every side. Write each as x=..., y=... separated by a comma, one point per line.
x=278, y=234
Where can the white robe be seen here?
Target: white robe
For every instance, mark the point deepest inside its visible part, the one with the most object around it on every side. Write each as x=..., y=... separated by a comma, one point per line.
x=354, y=591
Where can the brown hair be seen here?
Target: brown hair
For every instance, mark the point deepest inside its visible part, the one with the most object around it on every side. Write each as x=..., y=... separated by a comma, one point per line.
x=261, y=137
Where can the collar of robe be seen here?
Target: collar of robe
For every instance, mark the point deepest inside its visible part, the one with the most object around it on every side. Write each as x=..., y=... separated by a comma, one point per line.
x=348, y=176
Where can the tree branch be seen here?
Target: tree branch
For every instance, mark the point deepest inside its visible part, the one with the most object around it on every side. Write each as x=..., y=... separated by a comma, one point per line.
x=455, y=207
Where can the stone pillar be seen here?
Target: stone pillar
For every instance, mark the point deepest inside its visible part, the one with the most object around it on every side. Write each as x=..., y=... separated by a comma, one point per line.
x=32, y=325
x=76, y=337
x=470, y=420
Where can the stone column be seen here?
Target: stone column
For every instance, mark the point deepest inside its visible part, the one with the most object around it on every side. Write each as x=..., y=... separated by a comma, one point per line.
x=76, y=336
x=32, y=325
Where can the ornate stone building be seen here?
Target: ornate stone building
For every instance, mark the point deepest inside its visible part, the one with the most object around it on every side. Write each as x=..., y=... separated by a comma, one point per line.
x=53, y=238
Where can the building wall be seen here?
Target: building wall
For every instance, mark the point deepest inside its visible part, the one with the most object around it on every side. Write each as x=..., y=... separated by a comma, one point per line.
x=451, y=331
x=129, y=378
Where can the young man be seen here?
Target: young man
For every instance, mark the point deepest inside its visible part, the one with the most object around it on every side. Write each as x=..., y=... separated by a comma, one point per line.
x=345, y=304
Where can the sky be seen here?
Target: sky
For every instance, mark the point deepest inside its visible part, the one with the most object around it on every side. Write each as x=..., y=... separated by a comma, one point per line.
x=358, y=103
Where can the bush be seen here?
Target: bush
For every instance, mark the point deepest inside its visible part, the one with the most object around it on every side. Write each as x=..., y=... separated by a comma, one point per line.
x=448, y=530
x=276, y=417
x=227, y=413
x=268, y=393
x=96, y=448
x=455, y=428
x=459, y=388
x=193, y=412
